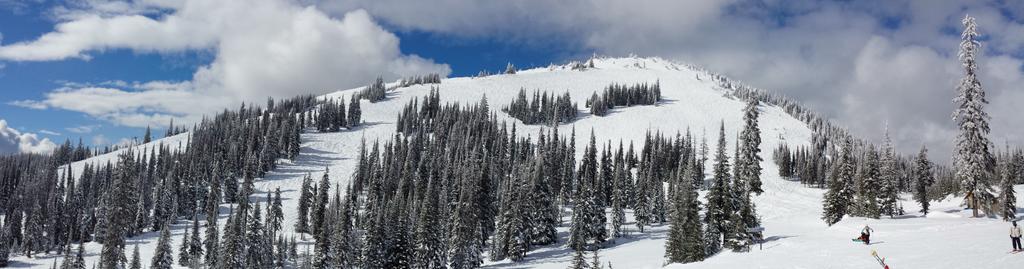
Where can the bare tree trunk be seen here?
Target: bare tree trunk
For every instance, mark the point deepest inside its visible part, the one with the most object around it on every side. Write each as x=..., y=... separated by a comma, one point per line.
x=973, y=202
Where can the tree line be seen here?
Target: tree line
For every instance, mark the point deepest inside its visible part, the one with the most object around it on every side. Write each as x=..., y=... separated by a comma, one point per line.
x=419, y=80
x=543, y=108
x=331, y=115
x=623, y=95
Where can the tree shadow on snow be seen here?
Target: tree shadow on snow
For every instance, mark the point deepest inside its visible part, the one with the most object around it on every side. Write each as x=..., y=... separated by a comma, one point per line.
x=20, y=264
x=367, y=124
x=776, y=238
x=560, y=252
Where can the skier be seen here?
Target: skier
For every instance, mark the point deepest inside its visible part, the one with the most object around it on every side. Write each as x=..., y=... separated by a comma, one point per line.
x=865, y=234
x=1015, y=237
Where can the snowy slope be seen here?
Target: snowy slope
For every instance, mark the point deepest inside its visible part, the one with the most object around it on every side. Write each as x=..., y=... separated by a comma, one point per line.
x=174, y=143
x=790, y=212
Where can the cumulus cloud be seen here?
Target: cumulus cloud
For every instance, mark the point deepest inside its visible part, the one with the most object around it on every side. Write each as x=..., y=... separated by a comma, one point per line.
x=861, y=63
x=14, y=141
x=263, y=48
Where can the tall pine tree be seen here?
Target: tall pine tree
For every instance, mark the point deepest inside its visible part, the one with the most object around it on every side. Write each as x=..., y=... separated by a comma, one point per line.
x=750, y=148
x=720, y=209
x=972, y=161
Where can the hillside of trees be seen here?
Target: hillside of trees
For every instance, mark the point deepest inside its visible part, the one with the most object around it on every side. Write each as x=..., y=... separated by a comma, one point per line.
x=49, y=212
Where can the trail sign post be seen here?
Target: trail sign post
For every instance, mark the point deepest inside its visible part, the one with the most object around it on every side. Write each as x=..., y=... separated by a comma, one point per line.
x=757, y=230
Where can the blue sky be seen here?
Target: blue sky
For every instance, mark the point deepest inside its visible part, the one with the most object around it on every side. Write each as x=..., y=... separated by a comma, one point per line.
x=32, y=80
x=115, y=66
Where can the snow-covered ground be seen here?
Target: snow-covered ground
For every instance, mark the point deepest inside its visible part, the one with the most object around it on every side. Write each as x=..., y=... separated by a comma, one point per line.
x=797, y=238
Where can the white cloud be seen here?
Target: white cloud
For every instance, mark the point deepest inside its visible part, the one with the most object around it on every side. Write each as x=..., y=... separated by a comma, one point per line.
x=48, y=132
x=82, y=129
x=840, y=57
x=264, y=48
x=12, y=140
x=100, y=140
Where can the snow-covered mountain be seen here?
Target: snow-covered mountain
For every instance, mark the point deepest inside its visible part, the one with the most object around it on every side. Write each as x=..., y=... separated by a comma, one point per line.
x=692, y=100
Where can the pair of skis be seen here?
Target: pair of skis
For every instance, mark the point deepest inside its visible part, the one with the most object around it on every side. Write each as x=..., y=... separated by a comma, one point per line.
x=881, y=261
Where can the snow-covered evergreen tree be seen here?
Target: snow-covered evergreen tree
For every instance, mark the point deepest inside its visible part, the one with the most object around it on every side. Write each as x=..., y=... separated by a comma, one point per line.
x=163, y=256
x=136, y=262
x=511, y=238
x=232, y=250
x=685, y=241
x=869, y=185
x=972, y=161
x=230, y=188
x=183, y=258
x=840, y=187
x=119, y=212
x=923, y=179
x=212, y=234
x=744, y=218
x=258, y=248
x=399, y=241
x=749, y=150
x=429, y=249
x=720, y=209
x=588, y=215
x=320, y=207
x=1007, y=196
x=542, y=213
x=619, y=193
x=465, y=243
x=146, y=138
x=354, y=113
x=889, y=199
x=275, y=213
x=195, y=245
x=578, y=260
x=305, y=201
x=79, y=262
x=5, y=244
x=595, y=263
x=343, y=240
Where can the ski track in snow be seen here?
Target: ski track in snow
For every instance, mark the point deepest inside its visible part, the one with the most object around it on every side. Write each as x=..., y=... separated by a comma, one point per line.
x=795, y=235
